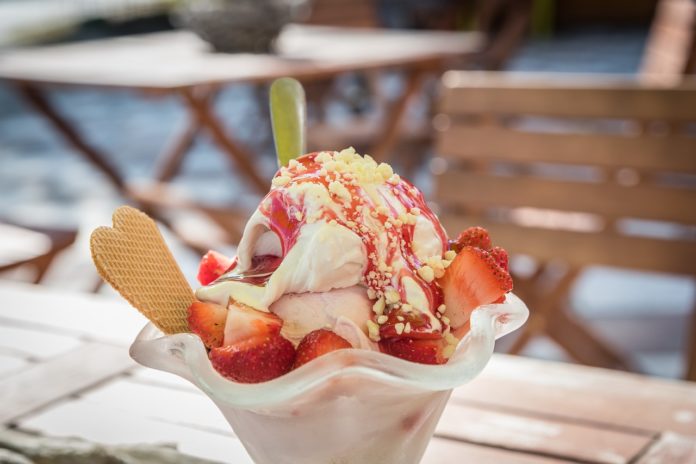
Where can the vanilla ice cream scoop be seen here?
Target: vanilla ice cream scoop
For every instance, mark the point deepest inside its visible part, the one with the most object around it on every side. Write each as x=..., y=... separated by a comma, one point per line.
x=332, y=221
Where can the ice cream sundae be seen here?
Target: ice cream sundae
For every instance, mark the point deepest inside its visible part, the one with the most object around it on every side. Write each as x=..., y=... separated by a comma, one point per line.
x=342, y=253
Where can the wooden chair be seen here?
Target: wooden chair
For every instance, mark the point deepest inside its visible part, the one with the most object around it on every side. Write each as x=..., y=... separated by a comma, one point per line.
x=32, y=247
x=564, y=170
x=671, y=48
x=502, y=25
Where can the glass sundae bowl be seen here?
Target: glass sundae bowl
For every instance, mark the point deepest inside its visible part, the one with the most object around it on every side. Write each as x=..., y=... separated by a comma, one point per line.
x=348, y=406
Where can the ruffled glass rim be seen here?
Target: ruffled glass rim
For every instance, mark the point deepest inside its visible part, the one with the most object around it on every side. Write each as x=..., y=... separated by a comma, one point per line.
x=185, y=355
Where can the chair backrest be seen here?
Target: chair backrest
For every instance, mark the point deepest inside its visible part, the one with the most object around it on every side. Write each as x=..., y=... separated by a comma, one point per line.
x=589, y=172
x=670, y=50
x=346, y=13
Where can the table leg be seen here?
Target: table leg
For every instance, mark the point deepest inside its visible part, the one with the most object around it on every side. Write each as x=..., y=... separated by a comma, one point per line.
x=41, y=104
x=169, y=162
x=242, y=157
x=396, y=114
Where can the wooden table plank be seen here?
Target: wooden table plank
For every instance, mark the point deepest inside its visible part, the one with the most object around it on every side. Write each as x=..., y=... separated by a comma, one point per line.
x=35, y=344
x=108, y=424
x=179, y=407
x=79, y=314
x=180, y=59
x=671, y=449
x=583, y=394
x=565, y=440
x=443, y=451
x=10, y=363
x=44, y=383
x=154, y=377
x=518, y=411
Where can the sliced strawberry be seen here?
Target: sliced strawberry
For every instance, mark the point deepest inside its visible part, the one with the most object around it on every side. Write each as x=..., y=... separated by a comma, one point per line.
x=473, y=279
x=244, y=322
x=318, y=343
x=501, y=257
x=410, y=349
x=212, y=266
x=257, y=359
x=473, y=236
x=207, y=320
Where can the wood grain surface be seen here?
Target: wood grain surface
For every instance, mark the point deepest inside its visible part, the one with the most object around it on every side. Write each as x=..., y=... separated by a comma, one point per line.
x=519, y=411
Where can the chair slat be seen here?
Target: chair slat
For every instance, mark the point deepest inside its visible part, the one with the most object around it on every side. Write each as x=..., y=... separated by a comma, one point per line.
x=460, y=141
x=594, y=97
x=584, y=249
x=459, y=188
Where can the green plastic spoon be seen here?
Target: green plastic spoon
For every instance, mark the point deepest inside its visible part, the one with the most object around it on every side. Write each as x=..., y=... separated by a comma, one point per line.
x=288, y=113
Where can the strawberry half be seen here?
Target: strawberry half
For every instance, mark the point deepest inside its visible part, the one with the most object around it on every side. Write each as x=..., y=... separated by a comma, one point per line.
x=207, y=320
x=318, y=343
x=244, y=322
x=474, y=278
x=254, y=360
x=420, y=351
x=473, y=236
x=212, y=266
x=501, y=257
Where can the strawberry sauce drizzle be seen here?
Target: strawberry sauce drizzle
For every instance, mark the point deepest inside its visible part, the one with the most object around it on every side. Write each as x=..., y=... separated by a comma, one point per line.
x=258, y=274
x=286, y=218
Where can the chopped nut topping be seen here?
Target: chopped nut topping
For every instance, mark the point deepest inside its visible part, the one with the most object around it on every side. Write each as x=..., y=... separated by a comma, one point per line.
x=379, y=306
x=391, y=295
x=323, y=157
x=339, y=190
x=385, y=170
x=426, y=273
x=372, y=331
x=280, y=181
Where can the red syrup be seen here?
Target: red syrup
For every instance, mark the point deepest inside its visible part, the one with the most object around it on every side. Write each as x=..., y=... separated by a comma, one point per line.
x=287, y=216
x=258, y=273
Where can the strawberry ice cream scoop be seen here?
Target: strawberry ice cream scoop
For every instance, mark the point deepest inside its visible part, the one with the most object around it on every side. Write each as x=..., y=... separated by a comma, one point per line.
x=343, y=243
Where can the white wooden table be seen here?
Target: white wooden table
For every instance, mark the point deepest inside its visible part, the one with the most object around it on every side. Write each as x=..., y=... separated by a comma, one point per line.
x=65, y=371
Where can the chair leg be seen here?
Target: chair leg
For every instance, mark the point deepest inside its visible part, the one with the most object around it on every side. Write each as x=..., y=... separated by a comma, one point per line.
x=523, y=339
x=581, y=344
x=541, y=305
x=527, y=289
x=691, y=348
x=42, y=264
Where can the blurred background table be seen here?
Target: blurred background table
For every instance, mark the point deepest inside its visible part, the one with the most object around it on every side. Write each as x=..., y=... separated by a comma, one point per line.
x=518, y=411
x=180, y=63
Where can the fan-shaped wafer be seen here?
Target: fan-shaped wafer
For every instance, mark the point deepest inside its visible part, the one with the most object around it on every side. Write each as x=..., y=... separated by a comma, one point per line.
x=133, y=257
